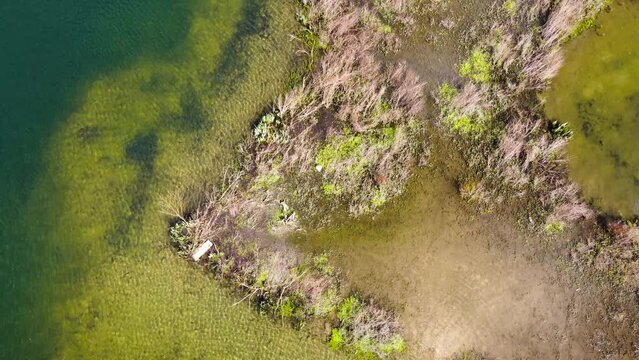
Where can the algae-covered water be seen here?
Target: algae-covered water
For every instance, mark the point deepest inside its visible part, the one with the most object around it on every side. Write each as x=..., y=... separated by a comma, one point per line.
x=112, y=114
x=597, y=94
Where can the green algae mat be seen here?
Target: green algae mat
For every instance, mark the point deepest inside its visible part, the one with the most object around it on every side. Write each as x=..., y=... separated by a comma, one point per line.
x=143, y=106
x=597, y=94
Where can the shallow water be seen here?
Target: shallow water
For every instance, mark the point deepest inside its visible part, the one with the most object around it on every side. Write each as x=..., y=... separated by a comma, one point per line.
x=459, y=281
x=597, y=93
x=85, y=259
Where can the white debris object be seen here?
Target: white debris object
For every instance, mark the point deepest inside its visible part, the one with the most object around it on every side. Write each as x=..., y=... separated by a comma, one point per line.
x=202, y=249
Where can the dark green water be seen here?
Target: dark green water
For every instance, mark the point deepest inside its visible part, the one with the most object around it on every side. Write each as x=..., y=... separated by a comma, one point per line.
x=112, y=114
x=51, y=51
x=597, y=94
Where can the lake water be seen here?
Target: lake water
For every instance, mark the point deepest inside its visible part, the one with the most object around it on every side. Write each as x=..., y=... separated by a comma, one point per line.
x=110, y=114
x=597, y=93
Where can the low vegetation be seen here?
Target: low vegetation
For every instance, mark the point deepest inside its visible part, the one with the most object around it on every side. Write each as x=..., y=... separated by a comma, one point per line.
x=281, y=282
x=513, y=152
x=515, y=155
x=345, y=137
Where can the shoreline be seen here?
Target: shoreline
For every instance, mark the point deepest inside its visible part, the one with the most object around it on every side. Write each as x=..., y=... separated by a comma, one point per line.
x=348, y=169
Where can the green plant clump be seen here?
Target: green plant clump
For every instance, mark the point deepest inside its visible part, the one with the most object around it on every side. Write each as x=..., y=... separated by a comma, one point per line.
x=337, y=339
x=561, y=129
x=468, y=124
x=331, y=190
x=478, y=67
x=321, y=264
x=338, y=150
x=270, y=130
x=510, y=6
x=179, y=236
x=554, y=228
x=396, y=345
x=379, y=198
x=348, y=308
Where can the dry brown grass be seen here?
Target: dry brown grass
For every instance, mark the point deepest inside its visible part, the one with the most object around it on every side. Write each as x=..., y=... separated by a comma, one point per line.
x=350, y=93
x=529, y=158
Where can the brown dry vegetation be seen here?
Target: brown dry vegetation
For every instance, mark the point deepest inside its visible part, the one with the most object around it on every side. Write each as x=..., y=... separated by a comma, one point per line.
x=345, y=137
x=517, y=155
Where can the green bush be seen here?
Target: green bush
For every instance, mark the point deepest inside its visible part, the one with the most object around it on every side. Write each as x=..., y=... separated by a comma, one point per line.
x=348, y=308
x=270, y=130
x=179, y=235
x=321, y=264
x=447, y=93
x=554, y=228
x=292, y=307
x=560, y=129
x=338, y=150
x=379, y=198
x=337, y=339
x=396, y=345
x=478, y=67
x=510, y=6
x=331, y=189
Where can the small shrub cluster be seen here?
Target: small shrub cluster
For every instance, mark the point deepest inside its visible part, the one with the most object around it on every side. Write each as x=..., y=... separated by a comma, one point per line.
x=478, y=67
x=463, y=112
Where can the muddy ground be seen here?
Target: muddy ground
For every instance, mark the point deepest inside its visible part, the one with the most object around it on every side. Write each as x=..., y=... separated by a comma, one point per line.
x=462, y=280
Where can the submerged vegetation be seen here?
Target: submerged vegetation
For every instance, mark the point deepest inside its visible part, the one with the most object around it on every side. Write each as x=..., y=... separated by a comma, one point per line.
x=285, y=284
x=345, y=137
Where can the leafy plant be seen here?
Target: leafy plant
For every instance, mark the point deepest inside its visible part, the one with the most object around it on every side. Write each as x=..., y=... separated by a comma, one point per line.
x=338, y=150
x=560, y=129
x=510, y=6
x=554, y=228
x=270, y=130
x=348, y=308
x=337, y=339
x=331, y=189
x=478, y=67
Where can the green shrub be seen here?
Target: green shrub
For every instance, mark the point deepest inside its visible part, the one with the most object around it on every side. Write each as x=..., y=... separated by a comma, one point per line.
x=387, y=137
x=270, y=130
x=331, y=189
x=267, y=181
x=348, y=308
x=447, y=93
x=337, y=339
x=338, y=150
x=560, y=129
x=260, y=280
x=467, y=124
x=283, y=214
x=321, y=264
x=179, y=235
x=292, y=307
x=396, y=345
x=510, y=6
x=554, y=228
x=478, y=67
x=379, y=198
x=327, y=302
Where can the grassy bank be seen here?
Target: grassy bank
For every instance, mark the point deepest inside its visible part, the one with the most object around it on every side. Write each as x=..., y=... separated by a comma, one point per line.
x=343, y=140
x=514, y=154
